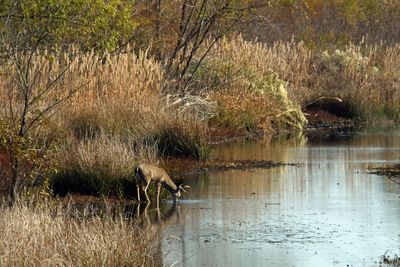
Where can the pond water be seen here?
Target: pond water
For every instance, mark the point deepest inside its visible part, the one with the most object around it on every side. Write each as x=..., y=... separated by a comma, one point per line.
x=326, y=212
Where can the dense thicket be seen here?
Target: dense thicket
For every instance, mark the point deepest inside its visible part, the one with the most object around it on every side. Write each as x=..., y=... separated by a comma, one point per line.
x=327, y=23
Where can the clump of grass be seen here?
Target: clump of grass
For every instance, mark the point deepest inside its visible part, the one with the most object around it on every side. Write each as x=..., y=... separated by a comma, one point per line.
x=101, y=166
x=118, y=119
x=43, y=235
x=249, y=93
x=101, y=162
x=183, y=139
x=84, y=123
x=390, y=258
x=236, y=110
x=362, y=77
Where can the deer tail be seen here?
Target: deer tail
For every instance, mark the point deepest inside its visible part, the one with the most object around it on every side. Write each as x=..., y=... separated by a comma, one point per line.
x=139, y=176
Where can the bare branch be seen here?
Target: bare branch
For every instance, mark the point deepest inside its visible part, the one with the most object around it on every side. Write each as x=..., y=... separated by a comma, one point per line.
x=52, y=107
x=53, y=82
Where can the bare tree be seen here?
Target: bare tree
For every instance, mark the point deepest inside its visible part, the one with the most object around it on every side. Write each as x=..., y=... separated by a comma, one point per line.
x=202, y=23
x=30, y=99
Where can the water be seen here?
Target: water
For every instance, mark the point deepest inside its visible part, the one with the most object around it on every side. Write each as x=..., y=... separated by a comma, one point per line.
x=327, y=212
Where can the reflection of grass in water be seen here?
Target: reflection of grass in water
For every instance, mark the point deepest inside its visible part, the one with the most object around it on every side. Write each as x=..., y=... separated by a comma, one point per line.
x=390, y=171
x=390, y=259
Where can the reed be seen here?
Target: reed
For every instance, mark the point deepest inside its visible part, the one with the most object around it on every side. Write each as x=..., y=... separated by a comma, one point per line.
x=50, y=236
x=241, y=77
x=119, y=110
x=115, y=118
x=363, y=76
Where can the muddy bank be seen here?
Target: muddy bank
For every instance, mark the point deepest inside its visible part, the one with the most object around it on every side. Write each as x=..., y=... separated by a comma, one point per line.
x=392, y=172
x=180, y=168
x=242, y=165
x=320, y=120
x=220, y=135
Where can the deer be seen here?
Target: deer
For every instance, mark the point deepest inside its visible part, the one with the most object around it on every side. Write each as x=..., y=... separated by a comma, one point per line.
x=146, y=173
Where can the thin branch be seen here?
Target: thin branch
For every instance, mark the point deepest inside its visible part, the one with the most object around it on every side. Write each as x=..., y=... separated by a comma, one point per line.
x=197, y=26
x=196, y=47
x=207, y=51
x=50, y=85
x=28, y=63
x=183, y=25
x=52, y=107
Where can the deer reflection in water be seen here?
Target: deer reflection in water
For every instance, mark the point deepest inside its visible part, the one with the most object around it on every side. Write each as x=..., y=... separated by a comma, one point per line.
x=157, y=215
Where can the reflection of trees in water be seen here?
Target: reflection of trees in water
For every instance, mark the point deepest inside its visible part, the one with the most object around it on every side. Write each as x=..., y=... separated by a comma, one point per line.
x=341, y=160
x=276, y=148
x=245, y=184
x=248, y=184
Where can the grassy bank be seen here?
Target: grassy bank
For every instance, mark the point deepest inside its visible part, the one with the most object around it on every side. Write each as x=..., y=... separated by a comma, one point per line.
x=293, y=76
x=44, y=235
x=122, y=110
x=116, y=118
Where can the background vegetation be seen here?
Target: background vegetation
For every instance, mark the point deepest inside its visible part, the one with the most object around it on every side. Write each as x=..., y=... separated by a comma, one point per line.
x=88, y=89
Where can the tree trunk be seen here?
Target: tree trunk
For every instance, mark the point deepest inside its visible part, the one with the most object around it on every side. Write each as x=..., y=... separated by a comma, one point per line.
x=157, y=9
x=12, y=195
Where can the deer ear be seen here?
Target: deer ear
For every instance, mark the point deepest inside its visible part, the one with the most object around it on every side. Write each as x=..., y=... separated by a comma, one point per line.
x=158, y=162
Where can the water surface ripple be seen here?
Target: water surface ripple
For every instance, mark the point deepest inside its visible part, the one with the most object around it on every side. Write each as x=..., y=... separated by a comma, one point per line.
x=327, y=212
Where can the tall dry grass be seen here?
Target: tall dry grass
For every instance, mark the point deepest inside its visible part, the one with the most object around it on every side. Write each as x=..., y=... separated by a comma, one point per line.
x=47, y=236
x=115, y=118
x=364, y=76
x=119, y=113
x=119, y=120
x=240, y=77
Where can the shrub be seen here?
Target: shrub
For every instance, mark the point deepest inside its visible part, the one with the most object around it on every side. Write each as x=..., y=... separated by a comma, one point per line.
x=248, y=92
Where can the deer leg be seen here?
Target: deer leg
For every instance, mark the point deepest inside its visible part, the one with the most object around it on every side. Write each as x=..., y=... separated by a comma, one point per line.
x=145, y=191
x=158, y=195
x=158, y=215
x=146, y=215
x=138, y=210
x=138, y=192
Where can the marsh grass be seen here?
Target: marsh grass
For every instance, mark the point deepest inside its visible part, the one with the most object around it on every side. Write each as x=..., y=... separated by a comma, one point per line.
x=47, y=235
x=101, y=166
x=116, y=118
x=121, y=115
x=119, y=122
x=240, y=76
x=292, y=75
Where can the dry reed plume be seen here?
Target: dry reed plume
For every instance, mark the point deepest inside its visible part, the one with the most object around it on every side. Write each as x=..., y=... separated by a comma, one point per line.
x=244, y=76
x=118, y=112
x=364, y=76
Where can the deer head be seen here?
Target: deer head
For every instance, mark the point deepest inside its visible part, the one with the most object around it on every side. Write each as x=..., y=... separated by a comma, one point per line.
x=181, y=187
